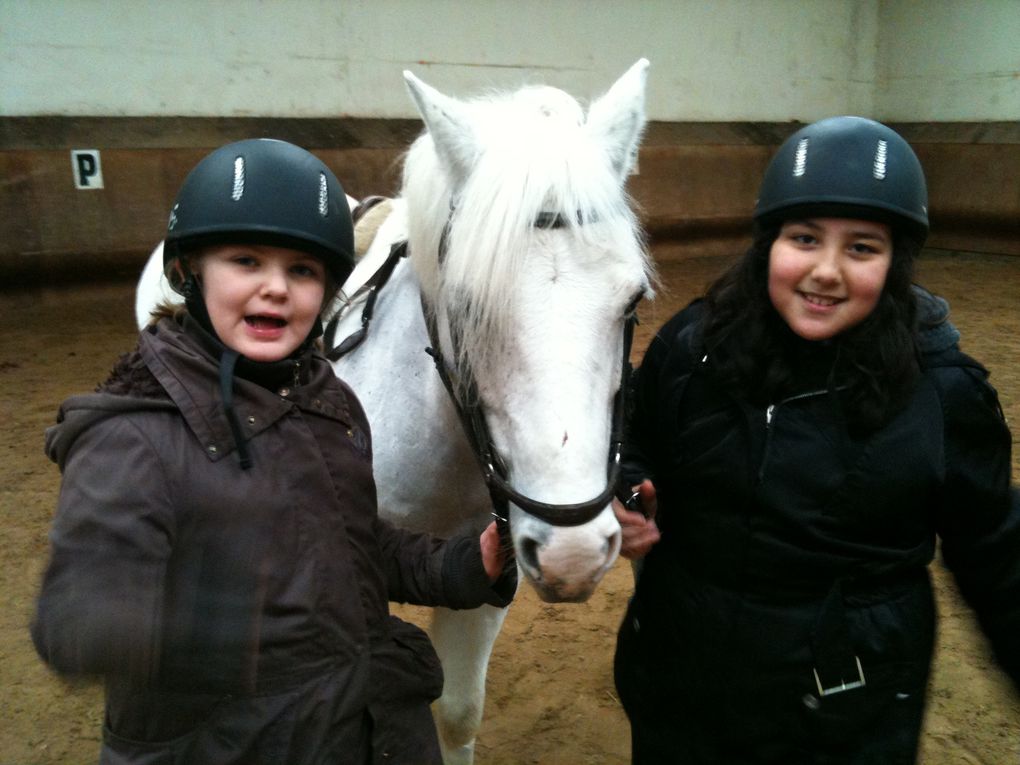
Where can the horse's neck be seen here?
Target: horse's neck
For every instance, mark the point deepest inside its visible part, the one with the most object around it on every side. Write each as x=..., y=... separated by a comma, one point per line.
x=417, y=439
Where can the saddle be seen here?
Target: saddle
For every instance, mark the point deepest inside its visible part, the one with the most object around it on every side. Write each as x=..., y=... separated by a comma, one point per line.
x=368, y=217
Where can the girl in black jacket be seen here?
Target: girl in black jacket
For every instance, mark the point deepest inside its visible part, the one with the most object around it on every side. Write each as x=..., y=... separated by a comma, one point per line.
x=806, y=431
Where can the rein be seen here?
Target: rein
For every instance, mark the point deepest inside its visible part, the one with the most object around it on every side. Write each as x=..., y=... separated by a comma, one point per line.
x=372, y=285
x=472, y=416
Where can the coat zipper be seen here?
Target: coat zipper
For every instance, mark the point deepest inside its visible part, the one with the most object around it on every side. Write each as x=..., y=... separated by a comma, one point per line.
x=770, y=412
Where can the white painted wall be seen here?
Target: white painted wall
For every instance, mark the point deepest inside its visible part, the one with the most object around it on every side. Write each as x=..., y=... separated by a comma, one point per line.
x=723, y=60
x=949, y=60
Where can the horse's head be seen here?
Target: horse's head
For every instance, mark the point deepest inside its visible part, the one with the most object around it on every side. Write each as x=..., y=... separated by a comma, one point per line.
x=531, y=259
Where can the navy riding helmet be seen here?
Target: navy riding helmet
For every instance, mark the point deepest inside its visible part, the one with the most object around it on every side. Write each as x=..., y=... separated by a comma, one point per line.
x=267, y=192
x=846, y=167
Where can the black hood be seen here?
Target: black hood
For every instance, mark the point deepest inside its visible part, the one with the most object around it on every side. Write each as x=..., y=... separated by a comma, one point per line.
x=935, y=332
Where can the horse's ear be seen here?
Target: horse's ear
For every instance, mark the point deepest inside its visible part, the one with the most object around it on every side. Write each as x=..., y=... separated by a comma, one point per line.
x=618, y=118
x=449, y=125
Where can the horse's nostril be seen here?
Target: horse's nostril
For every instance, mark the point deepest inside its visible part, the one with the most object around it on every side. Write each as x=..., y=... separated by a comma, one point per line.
x=528, y=552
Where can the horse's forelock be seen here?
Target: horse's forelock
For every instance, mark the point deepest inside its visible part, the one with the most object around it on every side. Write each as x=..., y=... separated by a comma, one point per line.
x=535, y=157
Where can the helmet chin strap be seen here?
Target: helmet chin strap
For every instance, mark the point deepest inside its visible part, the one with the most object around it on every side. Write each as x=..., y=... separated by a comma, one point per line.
x=194, y=300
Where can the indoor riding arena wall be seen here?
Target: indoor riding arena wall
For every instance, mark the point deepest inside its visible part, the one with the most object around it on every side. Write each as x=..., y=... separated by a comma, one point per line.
x=152, y=87
x=68, y=270
x=695, y=185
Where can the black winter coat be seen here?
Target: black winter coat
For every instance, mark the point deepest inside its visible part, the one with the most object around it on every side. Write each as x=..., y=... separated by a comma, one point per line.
x=786, y=615
x=240, y=616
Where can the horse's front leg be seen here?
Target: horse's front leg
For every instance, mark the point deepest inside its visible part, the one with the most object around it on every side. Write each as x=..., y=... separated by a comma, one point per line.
x=463, y=640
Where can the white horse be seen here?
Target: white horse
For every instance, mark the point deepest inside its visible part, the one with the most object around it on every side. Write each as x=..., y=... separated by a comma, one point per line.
x=527, y=261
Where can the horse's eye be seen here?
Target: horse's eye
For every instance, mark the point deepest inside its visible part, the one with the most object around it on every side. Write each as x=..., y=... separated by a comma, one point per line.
x=633, y=304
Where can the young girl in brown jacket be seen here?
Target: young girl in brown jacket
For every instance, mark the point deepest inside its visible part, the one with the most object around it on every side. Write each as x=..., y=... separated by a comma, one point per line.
x=217, y=556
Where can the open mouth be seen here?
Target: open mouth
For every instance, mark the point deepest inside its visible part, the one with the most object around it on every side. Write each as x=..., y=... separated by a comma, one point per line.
x=265, y=322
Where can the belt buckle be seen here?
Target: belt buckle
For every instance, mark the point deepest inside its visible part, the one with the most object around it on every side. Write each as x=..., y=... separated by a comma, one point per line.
x=843, y=685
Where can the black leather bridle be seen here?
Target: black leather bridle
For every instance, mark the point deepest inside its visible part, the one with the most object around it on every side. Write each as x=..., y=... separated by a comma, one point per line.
x=466, y=402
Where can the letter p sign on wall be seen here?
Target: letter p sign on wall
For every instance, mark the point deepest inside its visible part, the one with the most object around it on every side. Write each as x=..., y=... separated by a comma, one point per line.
x=88, y=173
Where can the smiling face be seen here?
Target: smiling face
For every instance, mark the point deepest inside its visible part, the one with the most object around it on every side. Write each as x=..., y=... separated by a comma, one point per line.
x=826, y=275
x=262, y=301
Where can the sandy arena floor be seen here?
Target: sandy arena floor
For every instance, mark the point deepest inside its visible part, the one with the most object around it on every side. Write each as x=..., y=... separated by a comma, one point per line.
x=551, y=696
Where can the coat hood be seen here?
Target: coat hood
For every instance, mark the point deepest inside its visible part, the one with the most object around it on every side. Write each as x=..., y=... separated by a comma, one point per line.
x=935, y=332
x=79, y=413
x=172, y=370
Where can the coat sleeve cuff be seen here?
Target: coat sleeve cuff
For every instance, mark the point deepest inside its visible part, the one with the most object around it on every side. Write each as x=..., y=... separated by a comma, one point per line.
x=464, y=579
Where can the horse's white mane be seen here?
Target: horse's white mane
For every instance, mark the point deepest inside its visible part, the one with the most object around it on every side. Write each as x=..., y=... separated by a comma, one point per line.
x=530, y=153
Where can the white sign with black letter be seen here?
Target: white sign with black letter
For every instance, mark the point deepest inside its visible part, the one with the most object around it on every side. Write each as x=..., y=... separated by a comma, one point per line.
x=88, y=173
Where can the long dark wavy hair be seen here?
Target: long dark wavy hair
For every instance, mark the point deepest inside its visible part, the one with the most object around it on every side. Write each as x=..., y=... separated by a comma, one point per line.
x=755, y=354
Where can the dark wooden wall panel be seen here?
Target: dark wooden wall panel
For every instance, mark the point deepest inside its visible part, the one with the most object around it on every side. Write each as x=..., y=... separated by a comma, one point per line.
x=696, y=183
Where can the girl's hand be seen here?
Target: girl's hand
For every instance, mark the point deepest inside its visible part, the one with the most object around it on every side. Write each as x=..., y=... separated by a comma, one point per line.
x=640, y=532
x=493, y=555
